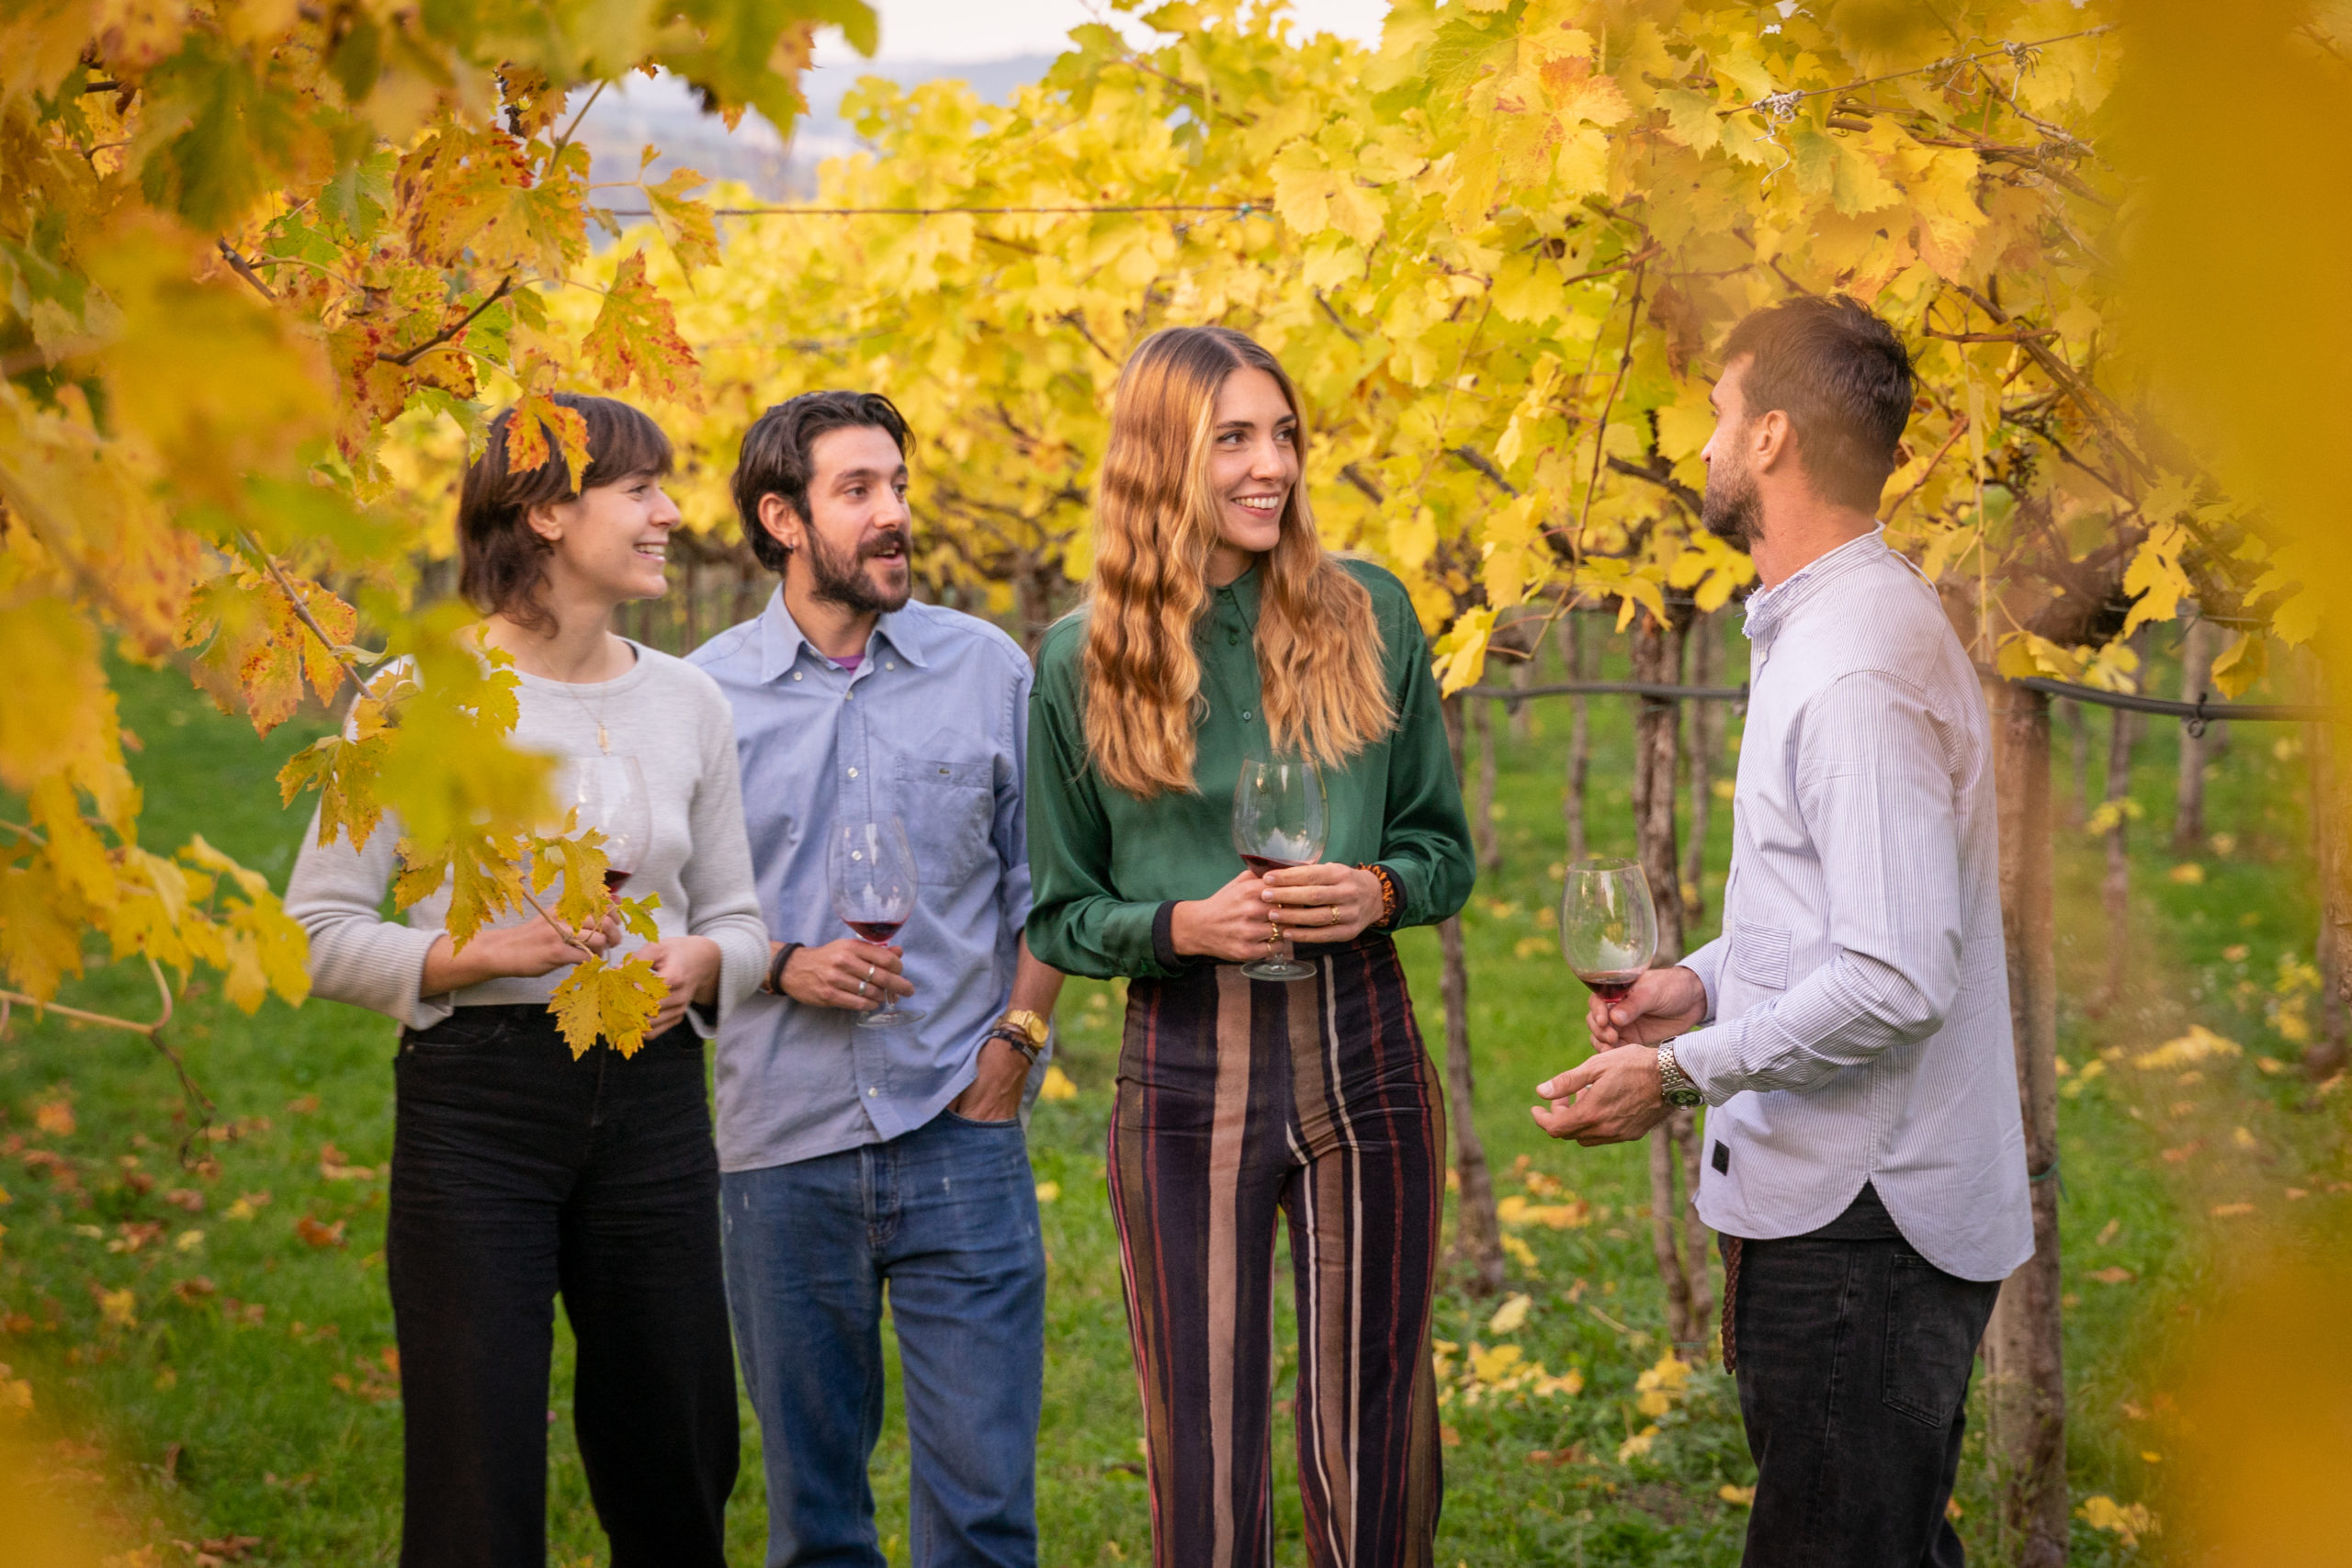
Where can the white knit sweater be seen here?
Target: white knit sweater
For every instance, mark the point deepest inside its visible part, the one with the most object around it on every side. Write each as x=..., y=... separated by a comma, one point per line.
x=672, y=718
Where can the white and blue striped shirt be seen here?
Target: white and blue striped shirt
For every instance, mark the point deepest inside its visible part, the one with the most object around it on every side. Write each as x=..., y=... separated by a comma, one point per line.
x=1857, y=1000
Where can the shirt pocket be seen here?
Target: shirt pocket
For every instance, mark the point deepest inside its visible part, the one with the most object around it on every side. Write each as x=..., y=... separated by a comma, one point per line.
x=948, y=807
x=1760, y=954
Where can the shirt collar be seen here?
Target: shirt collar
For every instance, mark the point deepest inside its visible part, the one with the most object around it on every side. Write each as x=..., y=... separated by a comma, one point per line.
x=1768, y=608
x=781, y=639
x=1244, y=590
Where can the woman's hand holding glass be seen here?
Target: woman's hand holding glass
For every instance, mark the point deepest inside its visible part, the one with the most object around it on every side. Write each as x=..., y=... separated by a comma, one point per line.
x=1232, y=924
x=1322, y=903
x=689, y=967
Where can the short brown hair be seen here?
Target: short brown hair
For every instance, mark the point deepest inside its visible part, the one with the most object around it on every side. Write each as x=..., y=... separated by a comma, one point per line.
x=778, y=455
x=501, y=561
x=1842, y=377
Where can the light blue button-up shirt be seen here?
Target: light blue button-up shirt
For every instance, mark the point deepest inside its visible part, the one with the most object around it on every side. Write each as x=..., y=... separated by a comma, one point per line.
x=1859, y=1004
x=932, y=726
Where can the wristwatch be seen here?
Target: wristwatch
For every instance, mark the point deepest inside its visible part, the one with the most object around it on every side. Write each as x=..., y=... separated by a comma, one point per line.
x=1674, y=1085
x=1021, y=1030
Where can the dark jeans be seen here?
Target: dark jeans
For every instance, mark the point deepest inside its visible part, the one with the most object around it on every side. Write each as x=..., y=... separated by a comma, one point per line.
x=1854, y=1360
x=519, y=1173
x=947, y=1217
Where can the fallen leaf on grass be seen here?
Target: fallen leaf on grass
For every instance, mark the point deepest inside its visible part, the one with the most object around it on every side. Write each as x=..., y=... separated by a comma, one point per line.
x=117, y=1308
x=1742, y=1496
x=1449, y=1438
x=56, y=1119
x=318, y=1234
x=2230, y=1211
x=335, y=1167
x=1049, y=1191
x=1511, y=1315
x=302, y=1104
x=2116, y=1275
x=2182, y=1155
x=1056, y=1084
x=1637, y=1445
x=186, y=1198
x=247, y=1205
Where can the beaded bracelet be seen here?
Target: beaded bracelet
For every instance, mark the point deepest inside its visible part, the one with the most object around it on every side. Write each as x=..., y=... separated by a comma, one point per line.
x=1387, y=881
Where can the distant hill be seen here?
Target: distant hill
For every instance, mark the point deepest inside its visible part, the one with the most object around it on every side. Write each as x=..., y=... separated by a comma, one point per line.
x=662, y=112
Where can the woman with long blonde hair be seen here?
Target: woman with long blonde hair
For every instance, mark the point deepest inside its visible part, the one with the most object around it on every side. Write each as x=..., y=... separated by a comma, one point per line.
x=1217, y=629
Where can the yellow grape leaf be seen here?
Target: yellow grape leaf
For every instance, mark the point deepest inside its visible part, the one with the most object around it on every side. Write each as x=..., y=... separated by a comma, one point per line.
x=615, y=1001
x=1461, y=653
x=580, y=863
x=58, y=708
x=1510, y=1316
x=1057, y=1084
x=635, y=339
x=484, y=873
x=686, y=223
x=526, y=447
x=344, y=773
x=637, y=916
x=2237, y=667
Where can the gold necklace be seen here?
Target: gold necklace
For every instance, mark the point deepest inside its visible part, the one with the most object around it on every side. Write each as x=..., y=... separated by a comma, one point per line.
x=604, y=741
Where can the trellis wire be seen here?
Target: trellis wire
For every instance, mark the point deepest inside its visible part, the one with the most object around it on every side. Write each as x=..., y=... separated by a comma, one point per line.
x=2197, y=714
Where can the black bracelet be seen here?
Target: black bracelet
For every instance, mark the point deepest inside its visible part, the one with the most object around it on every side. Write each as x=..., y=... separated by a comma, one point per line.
x=1015, y=1039
x=773, y=985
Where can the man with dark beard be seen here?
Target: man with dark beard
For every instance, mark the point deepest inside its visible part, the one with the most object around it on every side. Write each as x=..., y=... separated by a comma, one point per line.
x=1850, y=1031
x=852, y=1158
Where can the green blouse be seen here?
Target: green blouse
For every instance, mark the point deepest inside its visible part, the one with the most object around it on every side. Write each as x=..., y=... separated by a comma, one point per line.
x=1104, y=863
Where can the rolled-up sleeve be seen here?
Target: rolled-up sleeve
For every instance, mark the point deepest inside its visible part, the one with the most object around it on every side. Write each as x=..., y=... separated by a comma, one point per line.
x=1874, y=786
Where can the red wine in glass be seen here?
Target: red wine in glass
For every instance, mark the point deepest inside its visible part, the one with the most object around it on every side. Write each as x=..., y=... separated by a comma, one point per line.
x=871, y=869
x=1611, y=985
x=1261, y=865
x=1608, y=925
x=614, y=880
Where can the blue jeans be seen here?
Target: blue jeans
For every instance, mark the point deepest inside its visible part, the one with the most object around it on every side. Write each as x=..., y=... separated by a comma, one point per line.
x=947, y=1216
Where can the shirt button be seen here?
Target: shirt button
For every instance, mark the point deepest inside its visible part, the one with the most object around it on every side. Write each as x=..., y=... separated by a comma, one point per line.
x=796, y=674
x=888, y=665
x=853, y=773
x=1233, y=639
x=1245, y=714
x=872, y=1092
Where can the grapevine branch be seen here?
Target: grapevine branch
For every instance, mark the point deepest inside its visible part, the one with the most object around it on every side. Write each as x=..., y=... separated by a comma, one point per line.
x=302, y=611
x=1616, y=384
x=1780, y=105
x=410, y=356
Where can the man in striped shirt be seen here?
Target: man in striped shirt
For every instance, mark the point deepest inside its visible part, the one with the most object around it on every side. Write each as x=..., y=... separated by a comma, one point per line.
x=1849, y=1031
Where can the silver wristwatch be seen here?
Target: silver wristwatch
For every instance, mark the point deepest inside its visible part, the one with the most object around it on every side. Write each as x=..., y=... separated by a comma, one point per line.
x=1674, y=1085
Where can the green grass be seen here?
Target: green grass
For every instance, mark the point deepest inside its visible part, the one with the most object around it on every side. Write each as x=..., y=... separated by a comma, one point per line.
x=218, y=1412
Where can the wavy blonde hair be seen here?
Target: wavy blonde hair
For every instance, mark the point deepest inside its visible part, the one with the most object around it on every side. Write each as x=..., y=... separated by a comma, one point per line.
x=1319, y=644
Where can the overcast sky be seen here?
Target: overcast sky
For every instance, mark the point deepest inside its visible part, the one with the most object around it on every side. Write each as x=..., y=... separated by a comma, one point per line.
x=991, y=29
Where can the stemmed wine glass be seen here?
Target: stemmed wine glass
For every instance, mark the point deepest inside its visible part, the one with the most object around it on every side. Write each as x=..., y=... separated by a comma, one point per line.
x=871, y=868
x=1608, y=925
x=609, y=794
x=1278, y=821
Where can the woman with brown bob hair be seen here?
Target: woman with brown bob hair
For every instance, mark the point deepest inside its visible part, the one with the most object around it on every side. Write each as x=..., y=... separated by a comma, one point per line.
x=1217, y=629
x=519, y=1171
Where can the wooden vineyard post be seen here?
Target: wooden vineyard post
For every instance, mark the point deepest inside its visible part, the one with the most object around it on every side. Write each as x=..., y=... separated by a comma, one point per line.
x=1478, y=1237
x=1706, y=728
x=1573, y=643
x=2115, y=889
x=1690, y=1306
x=2195, y=681
x=2024, y=1364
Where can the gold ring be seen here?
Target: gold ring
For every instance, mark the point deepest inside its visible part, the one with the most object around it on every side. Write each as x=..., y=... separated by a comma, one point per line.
x=1274, y=929
x=1334, y=911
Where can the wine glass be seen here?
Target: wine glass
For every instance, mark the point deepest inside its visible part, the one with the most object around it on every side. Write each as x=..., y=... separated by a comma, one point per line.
x=1278, y=821
x=609, y=794
x=1608, y=925
x=871, y=869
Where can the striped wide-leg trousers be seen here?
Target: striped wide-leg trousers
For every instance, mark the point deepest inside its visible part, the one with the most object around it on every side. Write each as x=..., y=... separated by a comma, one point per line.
x=1243, y=1104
